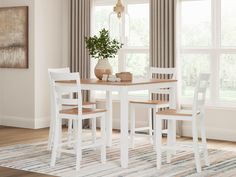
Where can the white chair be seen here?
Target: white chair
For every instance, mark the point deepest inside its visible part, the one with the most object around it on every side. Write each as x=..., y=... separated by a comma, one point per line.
x=152, y=105
x=193, y=115
x=85, y=104
x=77, y=114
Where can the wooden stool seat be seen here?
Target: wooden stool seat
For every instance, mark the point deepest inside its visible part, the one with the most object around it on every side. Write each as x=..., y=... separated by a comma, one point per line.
x=174, y=112
x=85, y=111
x=152, y=102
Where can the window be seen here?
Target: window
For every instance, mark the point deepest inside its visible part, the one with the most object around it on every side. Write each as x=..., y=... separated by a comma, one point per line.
x=132, y=30
x=135, y=52
x=208, y=44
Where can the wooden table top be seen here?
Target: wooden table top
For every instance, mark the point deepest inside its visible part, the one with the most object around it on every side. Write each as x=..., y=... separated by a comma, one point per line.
x=134, y=82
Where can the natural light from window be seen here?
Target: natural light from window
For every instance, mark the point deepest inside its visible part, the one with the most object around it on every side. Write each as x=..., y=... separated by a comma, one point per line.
x=208, y=44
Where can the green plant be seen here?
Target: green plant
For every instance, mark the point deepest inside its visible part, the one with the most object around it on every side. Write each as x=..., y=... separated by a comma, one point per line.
x=102, y=46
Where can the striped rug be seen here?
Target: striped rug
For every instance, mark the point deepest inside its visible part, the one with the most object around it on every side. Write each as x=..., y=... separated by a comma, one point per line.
x=142, y=161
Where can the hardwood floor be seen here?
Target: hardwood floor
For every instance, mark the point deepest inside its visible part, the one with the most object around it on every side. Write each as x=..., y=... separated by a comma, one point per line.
x=11, y=136
x=8, y=172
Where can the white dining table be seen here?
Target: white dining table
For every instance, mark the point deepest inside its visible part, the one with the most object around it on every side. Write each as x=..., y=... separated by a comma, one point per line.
x=123, y=88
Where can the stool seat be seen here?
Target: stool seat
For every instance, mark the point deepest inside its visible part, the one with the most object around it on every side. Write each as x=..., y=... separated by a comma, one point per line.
x=74, y=111
x=152, y=102
x=174, y=112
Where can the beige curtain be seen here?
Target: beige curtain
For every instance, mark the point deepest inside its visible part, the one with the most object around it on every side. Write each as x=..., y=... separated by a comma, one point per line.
x=163, y=38
x=80, y=19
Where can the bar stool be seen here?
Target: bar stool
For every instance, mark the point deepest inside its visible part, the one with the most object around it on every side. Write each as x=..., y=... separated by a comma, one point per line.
x=76, y=114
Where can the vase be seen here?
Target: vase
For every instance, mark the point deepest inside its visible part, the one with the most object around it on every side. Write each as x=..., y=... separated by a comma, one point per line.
x=102, y=67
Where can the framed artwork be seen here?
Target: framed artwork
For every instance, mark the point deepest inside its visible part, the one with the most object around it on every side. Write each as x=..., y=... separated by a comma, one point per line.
x=14, y=37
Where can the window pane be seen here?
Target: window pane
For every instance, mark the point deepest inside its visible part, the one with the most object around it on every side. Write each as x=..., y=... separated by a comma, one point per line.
x=196, y=23
x=114, y=64
x=228, y=77
x=101, y=17
x=137, y=64
x=228, y=22
x=192, y=65
x=138, y=25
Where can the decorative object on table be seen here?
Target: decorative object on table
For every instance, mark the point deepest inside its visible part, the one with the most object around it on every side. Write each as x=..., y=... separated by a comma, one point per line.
x=105, y=77
x=102, y=47
x=14, y=37
x=125, y=76
x=113, y=78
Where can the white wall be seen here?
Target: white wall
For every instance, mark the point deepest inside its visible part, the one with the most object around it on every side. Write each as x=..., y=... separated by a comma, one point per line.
x=220, y=124
x=48, y=53
x=17, y=85
x=24, y=92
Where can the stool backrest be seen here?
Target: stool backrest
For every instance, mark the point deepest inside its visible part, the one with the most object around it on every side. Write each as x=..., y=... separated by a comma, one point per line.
x=56, y=70
x=200, y=92
x=63, y=86
x=163, y=73
x=52, y=83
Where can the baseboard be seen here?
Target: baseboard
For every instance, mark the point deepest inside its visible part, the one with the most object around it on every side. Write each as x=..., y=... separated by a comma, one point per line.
x=13, y=121
x=212, y=133
x=42, y=122
x=116, y=123
x=22, y=122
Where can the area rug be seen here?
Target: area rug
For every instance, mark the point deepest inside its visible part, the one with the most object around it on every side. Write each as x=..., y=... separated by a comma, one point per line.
x=142, y=162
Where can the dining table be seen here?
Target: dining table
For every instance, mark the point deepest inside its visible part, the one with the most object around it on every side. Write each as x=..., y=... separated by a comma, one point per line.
x=123, y=88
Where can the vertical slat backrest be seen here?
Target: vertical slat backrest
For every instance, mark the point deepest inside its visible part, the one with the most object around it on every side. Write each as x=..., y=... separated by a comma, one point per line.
x=64, y=86
x=200, y=92
x=162, y=73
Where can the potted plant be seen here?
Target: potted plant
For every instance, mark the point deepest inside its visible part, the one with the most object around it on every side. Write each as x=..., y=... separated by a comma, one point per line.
x=102, y=47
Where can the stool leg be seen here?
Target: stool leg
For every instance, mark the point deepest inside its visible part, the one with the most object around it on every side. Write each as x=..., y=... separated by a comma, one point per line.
x=103, y=134
x=59, y=137
x=69, y=131
x=204, y=142
x=169, y=141
x=51, y=133
x=94, y=130
x=78, y=144
x=150, y=124
x=154, y=123
x=55, y=143
x=195, y=145
x=132, y=124
x=158, y=136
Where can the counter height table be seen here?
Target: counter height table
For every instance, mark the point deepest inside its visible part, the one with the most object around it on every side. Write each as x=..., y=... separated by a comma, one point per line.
x=123, y=88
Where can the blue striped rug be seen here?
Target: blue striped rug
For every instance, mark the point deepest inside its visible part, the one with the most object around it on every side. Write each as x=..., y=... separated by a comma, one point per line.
x=142, y=162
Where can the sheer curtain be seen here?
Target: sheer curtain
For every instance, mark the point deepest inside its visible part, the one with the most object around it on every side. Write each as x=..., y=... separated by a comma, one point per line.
x=163, y=35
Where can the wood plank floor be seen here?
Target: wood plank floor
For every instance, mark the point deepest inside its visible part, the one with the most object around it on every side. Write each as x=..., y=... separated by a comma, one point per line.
x=12, y=136
x=8, y=172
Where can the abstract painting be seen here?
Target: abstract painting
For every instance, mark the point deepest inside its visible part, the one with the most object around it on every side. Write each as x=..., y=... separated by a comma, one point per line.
x=14, y=37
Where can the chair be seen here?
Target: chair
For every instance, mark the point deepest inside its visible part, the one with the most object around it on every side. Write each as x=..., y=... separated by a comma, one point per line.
x=152, y=105
x=85, y=104
x=197, y=112
x=76, y=114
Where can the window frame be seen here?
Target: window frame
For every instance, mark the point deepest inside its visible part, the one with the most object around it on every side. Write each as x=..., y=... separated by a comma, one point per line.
x=125, y=49
x=215, y=50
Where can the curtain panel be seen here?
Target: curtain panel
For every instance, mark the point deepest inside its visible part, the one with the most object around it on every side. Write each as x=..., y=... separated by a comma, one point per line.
x=163, y=39
x=80, y=22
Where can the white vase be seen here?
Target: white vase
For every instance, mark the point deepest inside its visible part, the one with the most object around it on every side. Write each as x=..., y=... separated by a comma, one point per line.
x=102, y=67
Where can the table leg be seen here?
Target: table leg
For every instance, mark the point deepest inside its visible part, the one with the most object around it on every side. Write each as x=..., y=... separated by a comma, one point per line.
x=109, y=118
x=172, y=123
x=124, y=127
